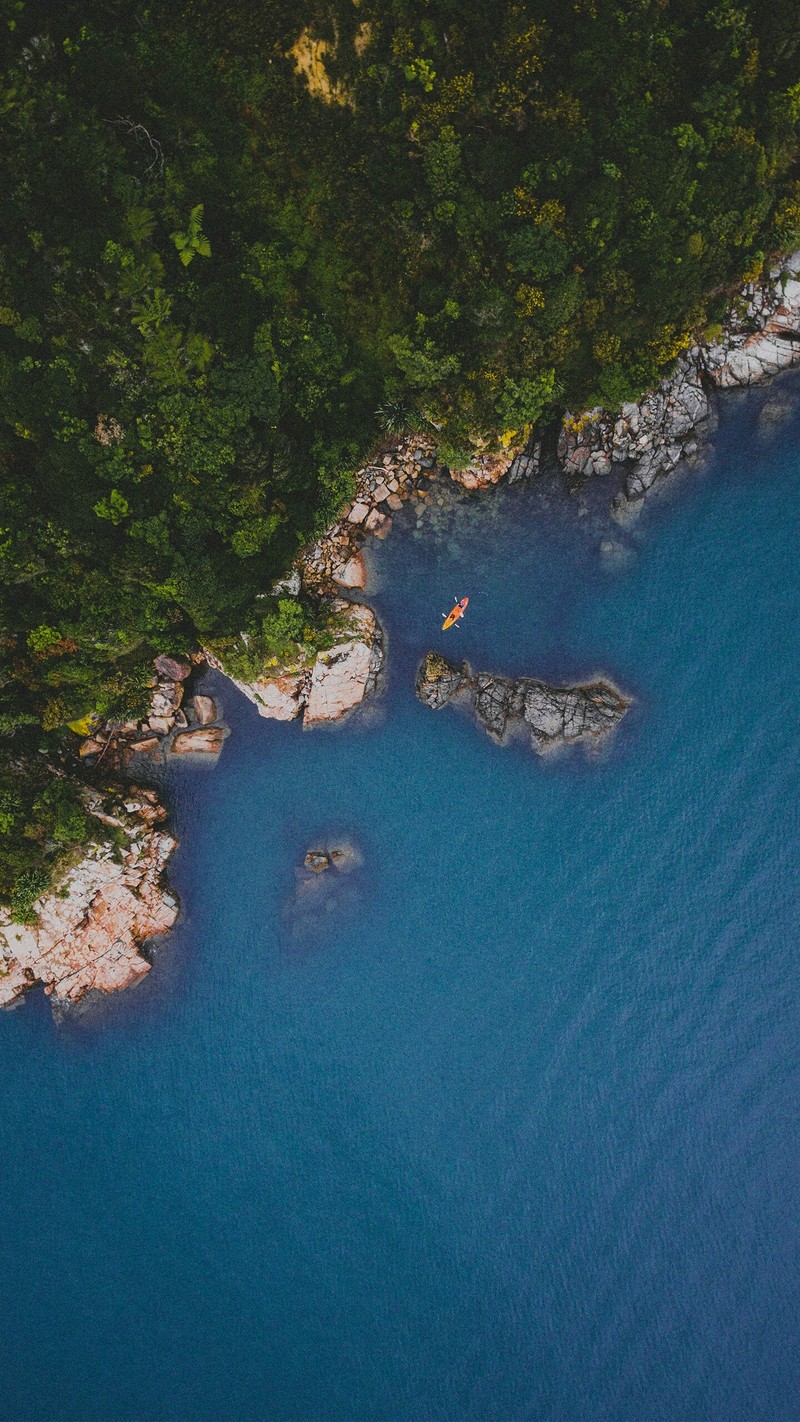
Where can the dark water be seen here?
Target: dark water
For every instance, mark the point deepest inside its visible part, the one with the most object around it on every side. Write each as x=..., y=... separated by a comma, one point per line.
x=513, y=1130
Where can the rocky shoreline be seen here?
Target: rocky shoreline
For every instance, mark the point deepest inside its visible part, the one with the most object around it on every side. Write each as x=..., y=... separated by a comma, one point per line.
x=552, y=716
x=91, y=925
x=173, y=723
x=648, y=438
x=760, y=338
x=339, y=679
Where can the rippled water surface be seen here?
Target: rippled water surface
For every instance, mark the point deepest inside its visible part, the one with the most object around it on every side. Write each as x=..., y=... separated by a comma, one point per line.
x=511, y=1130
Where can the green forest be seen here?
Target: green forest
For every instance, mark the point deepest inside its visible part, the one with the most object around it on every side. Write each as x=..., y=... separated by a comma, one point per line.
x=239, y=243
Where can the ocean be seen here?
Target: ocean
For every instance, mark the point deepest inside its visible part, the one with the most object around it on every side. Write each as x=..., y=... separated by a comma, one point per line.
x=505, y=1124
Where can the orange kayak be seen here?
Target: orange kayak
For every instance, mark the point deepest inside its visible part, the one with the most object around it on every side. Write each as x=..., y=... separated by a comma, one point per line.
x=458, y=611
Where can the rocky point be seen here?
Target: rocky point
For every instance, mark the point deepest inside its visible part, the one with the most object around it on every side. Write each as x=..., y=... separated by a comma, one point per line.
x=760, y=338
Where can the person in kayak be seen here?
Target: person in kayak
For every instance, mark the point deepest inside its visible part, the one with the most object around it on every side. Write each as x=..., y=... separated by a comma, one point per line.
x=451, y=618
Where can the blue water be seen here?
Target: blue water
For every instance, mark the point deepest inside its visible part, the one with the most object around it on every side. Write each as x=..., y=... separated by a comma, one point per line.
x=512, y=1131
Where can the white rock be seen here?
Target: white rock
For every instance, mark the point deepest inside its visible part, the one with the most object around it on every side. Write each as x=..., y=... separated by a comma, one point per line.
x=343, y=676
x=353, y=573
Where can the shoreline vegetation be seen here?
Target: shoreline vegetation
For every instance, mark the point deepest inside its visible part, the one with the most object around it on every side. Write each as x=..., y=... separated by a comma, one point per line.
x=239, y=252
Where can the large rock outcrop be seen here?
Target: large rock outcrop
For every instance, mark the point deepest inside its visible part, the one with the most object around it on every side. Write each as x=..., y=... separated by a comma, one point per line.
x=92, y=924
x=348, y=673
x=339, y=679
x=551, y=715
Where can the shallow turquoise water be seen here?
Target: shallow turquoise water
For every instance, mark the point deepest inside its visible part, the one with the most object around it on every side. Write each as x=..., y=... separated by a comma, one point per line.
x=513, y=1131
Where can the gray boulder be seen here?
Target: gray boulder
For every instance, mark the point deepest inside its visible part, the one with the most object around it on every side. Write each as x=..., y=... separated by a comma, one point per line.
x=438, y=681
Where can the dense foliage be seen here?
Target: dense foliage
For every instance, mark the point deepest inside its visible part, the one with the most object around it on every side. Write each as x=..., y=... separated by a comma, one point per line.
x=238, y=240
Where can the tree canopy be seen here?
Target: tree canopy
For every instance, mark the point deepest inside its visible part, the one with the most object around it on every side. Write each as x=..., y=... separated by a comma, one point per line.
x=237, y=238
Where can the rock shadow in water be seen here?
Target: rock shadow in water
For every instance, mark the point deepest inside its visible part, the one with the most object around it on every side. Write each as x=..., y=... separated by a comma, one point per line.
x=328, y=890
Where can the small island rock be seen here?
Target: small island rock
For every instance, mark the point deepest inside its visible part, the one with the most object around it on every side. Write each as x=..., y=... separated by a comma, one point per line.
x=317, y=860
x=552, y=715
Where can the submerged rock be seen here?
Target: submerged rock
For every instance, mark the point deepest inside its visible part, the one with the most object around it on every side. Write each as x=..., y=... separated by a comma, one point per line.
x=378, y=524
x=92, y=924
x=345, y=856
x=553, y=715
x=324, y=886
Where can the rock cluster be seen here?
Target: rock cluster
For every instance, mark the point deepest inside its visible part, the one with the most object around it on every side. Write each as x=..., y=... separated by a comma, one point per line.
x=584, y=443
x=761, y=337
x=651, y=434
x=325, y=886
x=342, y=856
x=762, y=331
x=92, y=924
x=397, y=475
x=526, y=464
x=176, y=724
x=552, y=715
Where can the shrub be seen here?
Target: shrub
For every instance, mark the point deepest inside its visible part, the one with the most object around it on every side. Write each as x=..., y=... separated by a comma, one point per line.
x=27, y=889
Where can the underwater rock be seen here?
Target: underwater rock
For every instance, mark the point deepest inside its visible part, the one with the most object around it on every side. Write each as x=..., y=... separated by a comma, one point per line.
x=324, y=886
x=345, y=856
x=342, y=856
x=378, y=524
